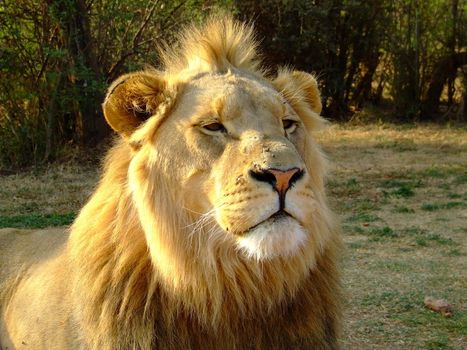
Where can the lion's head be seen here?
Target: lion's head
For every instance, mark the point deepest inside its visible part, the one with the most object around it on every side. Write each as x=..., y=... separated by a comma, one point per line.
x=234, y=148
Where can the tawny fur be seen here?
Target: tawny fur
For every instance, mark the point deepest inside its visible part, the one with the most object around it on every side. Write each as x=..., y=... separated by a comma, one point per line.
x=147, y=264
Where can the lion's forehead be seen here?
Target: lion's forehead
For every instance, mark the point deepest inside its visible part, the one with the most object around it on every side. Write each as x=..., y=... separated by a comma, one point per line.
x=231, y=96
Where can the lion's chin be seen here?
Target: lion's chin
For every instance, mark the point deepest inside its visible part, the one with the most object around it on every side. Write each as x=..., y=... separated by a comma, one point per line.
x=272, y=238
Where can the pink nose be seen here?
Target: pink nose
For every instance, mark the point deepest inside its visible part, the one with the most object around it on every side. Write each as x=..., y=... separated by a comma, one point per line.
x=280, y=180
x=283, y=178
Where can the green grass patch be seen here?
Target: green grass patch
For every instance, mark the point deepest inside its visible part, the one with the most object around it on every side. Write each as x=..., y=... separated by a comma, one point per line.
x=37, y=220
x=377, y=233
x=352, y=186
x=454, y=253
x=365, y=204
x=393, y=265
x=423, y=237
x=434, y=172
x=457, y=171
x=397, y=145
x=434, y=237
x=400, y=188
x=347, y=188
x=403, y=191
x=353, y=229
x=404, y=210
x=393, y=300
x=362, y=217
x=393, y=183
x=440, y=342
x=421, y=241
x=405, y=249
x=439, y=206
x=413, y=231
x=357, y=245
x=461, y=179
x=445, y=186
x=441, y=326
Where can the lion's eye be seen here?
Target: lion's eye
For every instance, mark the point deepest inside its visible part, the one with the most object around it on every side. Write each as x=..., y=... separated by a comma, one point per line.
x=289, y=125
x=214, y=127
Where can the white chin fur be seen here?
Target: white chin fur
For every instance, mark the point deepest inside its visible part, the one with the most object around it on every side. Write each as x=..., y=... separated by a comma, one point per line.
x=272, y=238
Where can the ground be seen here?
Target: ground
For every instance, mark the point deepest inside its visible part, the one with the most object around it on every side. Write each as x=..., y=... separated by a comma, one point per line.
x=401, y=194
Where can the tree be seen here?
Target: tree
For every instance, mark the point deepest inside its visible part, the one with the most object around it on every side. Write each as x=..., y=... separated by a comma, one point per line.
x=58, y=56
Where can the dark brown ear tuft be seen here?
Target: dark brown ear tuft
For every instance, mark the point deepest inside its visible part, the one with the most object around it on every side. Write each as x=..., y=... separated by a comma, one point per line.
x=132, y=99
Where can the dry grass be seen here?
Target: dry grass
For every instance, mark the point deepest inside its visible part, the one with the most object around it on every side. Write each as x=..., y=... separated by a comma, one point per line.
x=56, y=189
x=401, y=192
x=402, y=196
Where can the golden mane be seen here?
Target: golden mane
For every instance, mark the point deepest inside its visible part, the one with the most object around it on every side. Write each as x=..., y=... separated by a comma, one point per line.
x=220, y=44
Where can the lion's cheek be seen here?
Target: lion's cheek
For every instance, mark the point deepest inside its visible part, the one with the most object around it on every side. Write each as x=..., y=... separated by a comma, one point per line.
x=301, y=206
x=196, y=192
x=237, y=219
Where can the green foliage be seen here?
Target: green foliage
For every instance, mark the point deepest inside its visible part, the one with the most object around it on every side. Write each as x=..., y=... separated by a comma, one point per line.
x=57, y=58
x=365, y=51
x=21, y=140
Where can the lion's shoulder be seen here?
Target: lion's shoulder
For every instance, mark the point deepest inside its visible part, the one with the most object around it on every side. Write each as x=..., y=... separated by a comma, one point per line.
x=22, y=248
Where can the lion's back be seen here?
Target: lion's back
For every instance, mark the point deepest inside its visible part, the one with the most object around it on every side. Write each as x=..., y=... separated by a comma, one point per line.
x=21, y=248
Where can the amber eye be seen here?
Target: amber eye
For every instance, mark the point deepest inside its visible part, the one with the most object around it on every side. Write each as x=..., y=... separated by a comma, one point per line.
x=214, y=127
x=289, y=125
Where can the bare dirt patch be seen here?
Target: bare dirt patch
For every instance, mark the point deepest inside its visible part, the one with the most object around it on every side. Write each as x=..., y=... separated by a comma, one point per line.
x=401, y=194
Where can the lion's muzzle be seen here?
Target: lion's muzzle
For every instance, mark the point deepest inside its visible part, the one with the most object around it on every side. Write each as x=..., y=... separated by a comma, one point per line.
x=280, y=180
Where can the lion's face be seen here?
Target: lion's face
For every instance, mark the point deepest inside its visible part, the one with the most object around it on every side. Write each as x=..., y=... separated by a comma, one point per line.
x=243, y=160
x=245, y=143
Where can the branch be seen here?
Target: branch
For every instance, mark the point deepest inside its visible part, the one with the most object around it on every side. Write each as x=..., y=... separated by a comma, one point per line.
x=144, y=24
x=46, y=61
x=88, y=6
x=176, y=8
x=135, y=41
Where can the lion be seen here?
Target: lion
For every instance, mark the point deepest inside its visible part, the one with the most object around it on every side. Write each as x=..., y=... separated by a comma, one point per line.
x=209, y=228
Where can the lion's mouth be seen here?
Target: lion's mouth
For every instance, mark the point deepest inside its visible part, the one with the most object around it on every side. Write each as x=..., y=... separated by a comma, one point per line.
x=278, y=215
x=281, y=214
x=279, y=235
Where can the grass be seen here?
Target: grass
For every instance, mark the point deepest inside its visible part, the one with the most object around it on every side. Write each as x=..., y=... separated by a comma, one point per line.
x=403, y=209
x=439, y=206
x=362, y=217
x=401, y=193
x=37, y=220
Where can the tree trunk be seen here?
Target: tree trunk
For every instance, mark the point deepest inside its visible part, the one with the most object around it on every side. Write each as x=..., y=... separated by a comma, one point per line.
x=445, y=68
x=74, y=22
x=52, y=118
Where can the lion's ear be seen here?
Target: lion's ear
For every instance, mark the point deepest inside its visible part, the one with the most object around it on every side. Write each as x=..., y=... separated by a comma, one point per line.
x=133, y=98
x=300, y=89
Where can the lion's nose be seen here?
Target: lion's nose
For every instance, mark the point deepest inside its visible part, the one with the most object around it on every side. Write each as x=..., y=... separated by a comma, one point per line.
x=280, y=180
